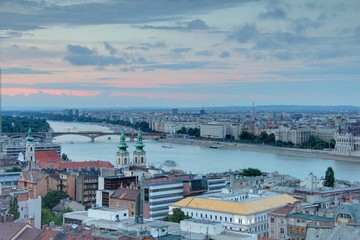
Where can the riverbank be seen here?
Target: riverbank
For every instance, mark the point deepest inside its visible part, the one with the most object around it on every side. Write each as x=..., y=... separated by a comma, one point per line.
x=263, y=148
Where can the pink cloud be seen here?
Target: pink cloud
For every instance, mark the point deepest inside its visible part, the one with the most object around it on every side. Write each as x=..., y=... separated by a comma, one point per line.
x=28, y=91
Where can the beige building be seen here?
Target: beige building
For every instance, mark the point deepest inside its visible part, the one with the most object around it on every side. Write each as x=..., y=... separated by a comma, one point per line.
x=250, y=215
x=296, y=136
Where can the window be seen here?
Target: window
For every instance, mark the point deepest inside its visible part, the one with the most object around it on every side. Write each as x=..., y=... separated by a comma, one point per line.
x=272, y=220
x=282, y=230
x=220, y=218
x=230, y=220
x=215, y=217
x=225, y=219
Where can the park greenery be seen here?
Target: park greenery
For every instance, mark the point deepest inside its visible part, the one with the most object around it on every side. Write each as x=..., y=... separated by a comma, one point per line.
x=18, y=124
x=314, y=142
x=329, y=177
x=14, y=208
x=195, y=132
x=13, y=169
x=177, y=216
x=49, y=201
x=252, y=172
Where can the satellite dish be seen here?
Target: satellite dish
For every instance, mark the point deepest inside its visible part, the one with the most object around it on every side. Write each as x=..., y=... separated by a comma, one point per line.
x=154, y=233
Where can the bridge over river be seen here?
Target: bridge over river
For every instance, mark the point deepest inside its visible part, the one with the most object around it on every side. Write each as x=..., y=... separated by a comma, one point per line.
x=90, y=134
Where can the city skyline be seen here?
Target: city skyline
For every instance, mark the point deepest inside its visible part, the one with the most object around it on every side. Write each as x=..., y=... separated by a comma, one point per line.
x=179, y=54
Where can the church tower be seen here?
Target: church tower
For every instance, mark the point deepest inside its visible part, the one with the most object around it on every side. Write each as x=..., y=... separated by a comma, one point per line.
x=122, y=155
x=139, y=156
x=30, y=151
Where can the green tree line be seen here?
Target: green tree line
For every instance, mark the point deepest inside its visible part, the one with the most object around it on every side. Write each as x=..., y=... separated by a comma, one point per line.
x=12, y=124
x=195, y=132
x=314, y=142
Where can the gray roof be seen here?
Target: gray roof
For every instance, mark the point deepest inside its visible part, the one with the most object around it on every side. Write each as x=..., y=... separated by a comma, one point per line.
x=352, y=209
x=311, y=217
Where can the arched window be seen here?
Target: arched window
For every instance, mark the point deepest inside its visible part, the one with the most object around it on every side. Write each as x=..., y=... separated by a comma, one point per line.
x=142, y=159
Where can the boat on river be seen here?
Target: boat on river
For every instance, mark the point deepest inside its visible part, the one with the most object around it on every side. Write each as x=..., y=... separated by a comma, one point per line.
x=167, y=146
x=170, y=163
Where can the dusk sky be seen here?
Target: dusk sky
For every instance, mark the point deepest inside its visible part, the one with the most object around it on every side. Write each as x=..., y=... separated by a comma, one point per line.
x=186, y=53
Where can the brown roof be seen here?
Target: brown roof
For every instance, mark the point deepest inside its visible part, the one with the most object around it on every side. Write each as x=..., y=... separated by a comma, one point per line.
x=29, y=234
x=125, y=194
x=283, y=211
x=86, y=164
x=31, y=176
x=67, y=234
x=47, y=158
x=9, y=229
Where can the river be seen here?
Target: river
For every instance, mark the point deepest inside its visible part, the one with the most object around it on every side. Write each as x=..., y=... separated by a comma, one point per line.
x=197, y=159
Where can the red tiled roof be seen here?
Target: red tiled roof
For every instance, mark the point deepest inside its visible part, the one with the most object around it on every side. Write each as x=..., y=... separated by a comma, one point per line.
x=9, y=229
x=283, y=211
x=46, y=158
x=29, y=234
x=86, y=164
x=125, y=193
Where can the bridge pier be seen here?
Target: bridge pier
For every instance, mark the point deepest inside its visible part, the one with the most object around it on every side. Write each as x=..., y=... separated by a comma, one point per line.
x=92, y=139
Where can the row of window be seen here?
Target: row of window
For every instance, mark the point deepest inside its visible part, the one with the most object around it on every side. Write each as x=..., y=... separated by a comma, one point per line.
x=210, y=217
x=167, y=195
x=166, y=189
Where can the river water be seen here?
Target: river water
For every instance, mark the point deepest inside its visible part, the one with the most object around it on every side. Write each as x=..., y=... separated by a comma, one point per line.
x=197, y=159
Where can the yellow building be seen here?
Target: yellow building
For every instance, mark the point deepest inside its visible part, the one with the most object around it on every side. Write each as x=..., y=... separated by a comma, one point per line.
x=249, y=215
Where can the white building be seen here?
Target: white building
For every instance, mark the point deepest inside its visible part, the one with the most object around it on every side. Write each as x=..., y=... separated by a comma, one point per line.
x=110, y=214
x=248, y=216
x=347, y=144
x=31, y=211
x=102, y=218
x=157, y=198
x=212, y=229
x=217, y=131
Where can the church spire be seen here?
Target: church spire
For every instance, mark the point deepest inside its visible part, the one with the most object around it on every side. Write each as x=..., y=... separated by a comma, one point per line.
x=29, y=137
x=122, y=145
x=122, y=154
x=139, y=145
x=139, y=155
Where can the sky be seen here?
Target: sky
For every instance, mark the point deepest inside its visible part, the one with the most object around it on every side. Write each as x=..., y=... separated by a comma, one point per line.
x=187, y=53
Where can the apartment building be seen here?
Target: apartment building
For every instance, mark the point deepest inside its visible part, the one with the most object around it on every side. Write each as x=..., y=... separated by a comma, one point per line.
x=157, y=198
x=216, y=131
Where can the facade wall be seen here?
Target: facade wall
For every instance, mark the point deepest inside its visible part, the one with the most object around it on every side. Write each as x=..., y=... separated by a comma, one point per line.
x=213, y=131
x=347, y=144
x=31, y=210
x=123, y=204
x=255, y=223
x=159, y=196
x=278, y=227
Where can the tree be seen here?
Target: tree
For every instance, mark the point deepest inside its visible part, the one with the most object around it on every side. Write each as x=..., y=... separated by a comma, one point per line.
x=46, y=216
x=329, y=177
x=252, y=172
x=14, y=208
x=177, y=216
x=14, y=169
x=52, y=198
x=64, y=157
